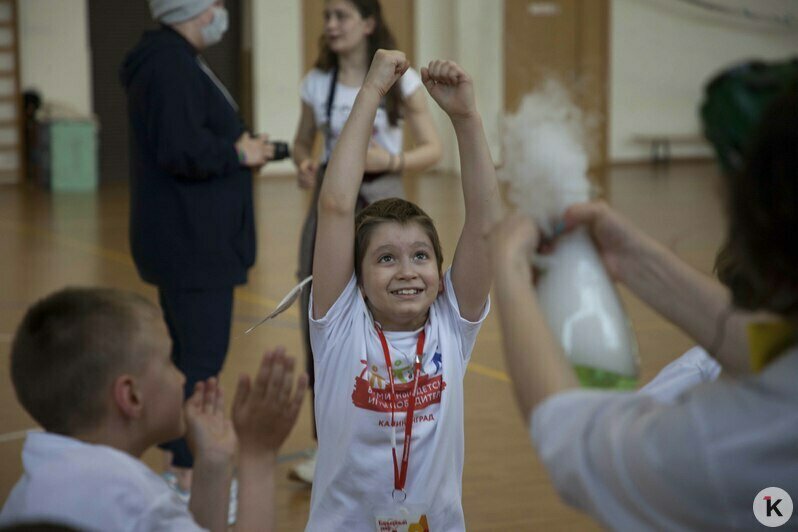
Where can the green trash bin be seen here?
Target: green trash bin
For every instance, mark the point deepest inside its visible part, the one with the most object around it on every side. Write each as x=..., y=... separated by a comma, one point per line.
x=70, y=158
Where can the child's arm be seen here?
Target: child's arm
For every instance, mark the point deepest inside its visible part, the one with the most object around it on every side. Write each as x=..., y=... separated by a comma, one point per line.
x=452, y=88
x=533, y=356
x=264, y=412
x=213, y=443
x=333, y=261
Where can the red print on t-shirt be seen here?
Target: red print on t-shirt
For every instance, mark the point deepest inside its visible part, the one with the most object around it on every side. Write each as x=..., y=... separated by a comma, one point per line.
x=369, y=397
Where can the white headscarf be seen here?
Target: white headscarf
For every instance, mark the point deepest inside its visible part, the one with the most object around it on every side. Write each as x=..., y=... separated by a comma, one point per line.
x=176, y=11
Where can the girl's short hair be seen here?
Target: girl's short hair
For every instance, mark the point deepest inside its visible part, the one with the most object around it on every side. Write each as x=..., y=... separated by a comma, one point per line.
x=394, y=210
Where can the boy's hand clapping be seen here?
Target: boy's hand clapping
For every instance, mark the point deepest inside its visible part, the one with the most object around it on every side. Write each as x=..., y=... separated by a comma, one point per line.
x=386, y=68
x=209, y=432
x=451, y=87
x=264, y=412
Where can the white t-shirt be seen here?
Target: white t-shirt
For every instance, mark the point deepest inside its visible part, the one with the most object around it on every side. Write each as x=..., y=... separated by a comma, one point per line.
x=315, y=89
x=689, y=370
x=91, y=487
x=694, y=461
x=354, y=468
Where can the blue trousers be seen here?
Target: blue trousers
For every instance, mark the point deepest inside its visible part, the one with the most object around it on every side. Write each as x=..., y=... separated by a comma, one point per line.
x=199, y=324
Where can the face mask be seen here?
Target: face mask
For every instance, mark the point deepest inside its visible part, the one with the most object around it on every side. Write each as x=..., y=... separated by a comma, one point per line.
x=213, y=32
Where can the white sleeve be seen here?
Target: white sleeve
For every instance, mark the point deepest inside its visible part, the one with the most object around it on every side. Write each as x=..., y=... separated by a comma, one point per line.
x=331, y=329
x=409, y=83
x=626, y=459
x=692, y=368
x=309, y=87
x=166, y=515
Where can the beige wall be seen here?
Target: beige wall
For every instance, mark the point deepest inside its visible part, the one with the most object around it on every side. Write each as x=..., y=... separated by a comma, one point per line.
x=663, y=52
x=54, y=51
x=469, y=32
x=479, y=50
x=434, y=40
x=276, y=71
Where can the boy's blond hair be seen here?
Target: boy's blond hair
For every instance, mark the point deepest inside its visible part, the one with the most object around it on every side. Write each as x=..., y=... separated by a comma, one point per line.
x=69, y=348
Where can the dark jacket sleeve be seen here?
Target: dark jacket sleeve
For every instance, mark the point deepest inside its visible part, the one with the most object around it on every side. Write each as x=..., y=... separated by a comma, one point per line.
x=180, y=124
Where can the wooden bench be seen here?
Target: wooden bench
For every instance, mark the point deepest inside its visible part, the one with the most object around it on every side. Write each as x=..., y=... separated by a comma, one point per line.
x=661, y=144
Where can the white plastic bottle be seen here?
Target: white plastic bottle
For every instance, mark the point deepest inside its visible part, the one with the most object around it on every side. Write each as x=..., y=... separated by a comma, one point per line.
x=585, y=313
x=545, y=164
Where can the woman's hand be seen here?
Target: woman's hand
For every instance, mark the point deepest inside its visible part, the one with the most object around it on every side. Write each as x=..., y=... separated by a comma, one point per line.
x=378, y=159
x=618, y=242
x=306, y=173
x=254, y=152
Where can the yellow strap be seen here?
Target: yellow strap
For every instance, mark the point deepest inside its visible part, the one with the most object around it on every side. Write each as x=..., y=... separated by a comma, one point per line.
x=767, y=341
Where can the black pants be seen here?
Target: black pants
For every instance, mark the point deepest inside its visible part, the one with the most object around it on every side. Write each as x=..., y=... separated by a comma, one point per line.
x=199, y=324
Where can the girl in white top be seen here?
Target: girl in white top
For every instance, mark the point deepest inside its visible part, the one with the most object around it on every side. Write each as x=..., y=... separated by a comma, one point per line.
x=391, y=334
x=353, y=31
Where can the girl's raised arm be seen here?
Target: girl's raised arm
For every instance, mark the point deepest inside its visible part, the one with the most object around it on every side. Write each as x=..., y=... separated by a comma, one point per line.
x=472, y=273
x=333, y=261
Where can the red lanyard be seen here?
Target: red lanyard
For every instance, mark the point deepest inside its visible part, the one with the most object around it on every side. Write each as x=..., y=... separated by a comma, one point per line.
x=400, y=477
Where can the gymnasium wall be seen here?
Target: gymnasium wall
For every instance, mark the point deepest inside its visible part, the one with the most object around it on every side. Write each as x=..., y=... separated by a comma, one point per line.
x=276, y=71
x=54, y=53
x=661, y=53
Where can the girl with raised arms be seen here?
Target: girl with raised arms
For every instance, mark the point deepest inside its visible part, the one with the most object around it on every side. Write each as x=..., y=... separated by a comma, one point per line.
x=391, y=333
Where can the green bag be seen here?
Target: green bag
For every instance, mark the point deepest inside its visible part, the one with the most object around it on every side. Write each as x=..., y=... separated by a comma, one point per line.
x=734, y=101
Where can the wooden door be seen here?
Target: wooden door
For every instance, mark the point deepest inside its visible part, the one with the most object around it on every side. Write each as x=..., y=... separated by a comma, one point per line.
x=566, y=39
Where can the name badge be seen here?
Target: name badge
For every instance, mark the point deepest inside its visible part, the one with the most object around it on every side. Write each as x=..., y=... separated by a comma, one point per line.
x=401, y=518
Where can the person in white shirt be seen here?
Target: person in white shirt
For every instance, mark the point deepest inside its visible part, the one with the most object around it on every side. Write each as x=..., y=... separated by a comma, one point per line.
x=391, y=334
x=93, y=368
x=353, y=31
x=689, y=452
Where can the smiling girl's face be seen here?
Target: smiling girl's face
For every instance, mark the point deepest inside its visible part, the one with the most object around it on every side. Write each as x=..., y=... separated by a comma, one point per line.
x=399, y=276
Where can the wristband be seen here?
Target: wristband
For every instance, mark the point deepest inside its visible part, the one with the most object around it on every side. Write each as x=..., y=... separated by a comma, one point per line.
x=242, y=157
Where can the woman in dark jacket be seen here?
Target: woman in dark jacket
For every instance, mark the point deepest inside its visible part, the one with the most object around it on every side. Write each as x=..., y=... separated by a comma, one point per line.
x=192, y=230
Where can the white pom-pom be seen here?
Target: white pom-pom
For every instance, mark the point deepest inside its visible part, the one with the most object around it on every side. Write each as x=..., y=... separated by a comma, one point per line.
x=546, y=155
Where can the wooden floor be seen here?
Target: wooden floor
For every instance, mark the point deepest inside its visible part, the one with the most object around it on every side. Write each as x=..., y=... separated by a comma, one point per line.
x=52, y=240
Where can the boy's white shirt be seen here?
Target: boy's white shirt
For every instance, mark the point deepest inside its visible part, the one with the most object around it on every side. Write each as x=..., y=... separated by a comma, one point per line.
x=354, y=470
x=91, y=487
x=314, y=91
